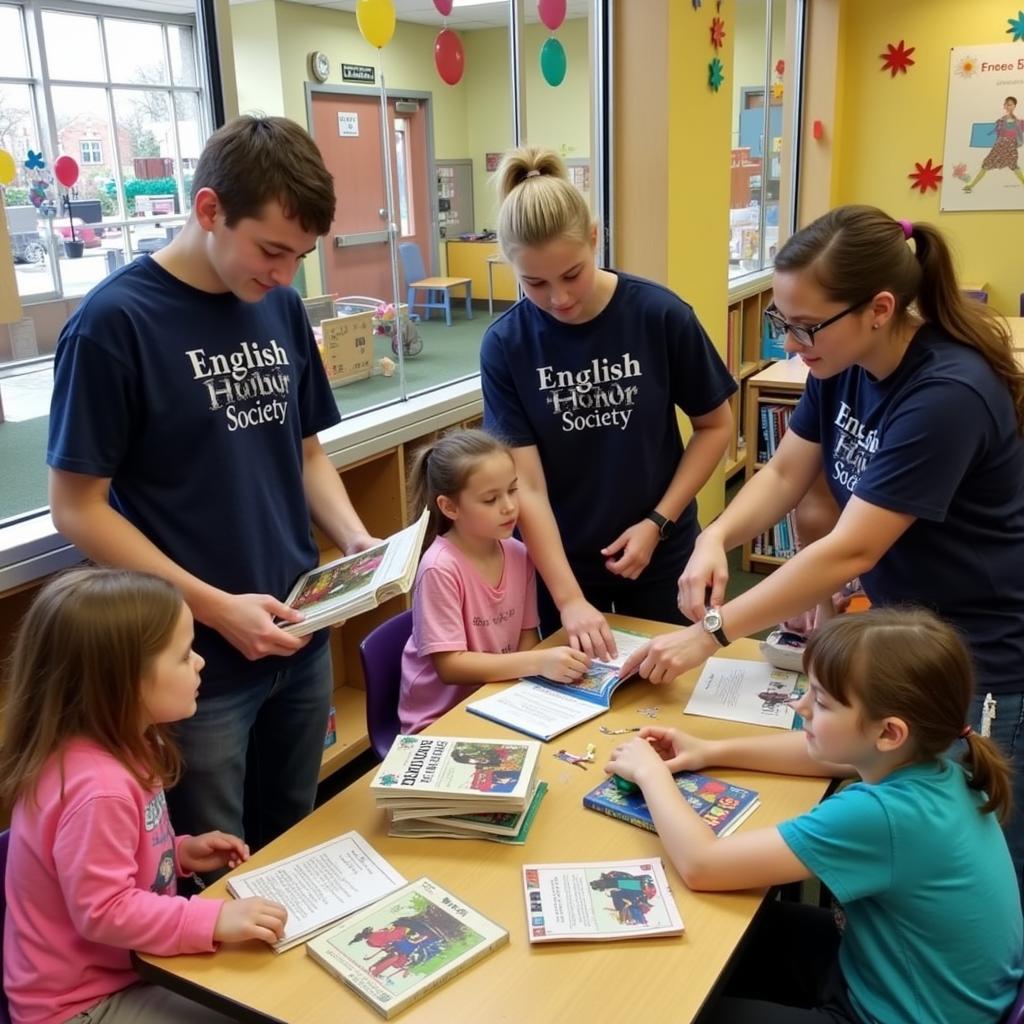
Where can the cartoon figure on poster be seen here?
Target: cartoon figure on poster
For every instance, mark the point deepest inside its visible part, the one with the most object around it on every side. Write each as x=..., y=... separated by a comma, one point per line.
x=984, y=129
x=632, y=896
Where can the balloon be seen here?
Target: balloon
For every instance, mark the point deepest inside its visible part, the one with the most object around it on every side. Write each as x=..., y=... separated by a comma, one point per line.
x=552, y=62
x=376, y=20
x=449, y=56
x=66, y=170
x=552, y=12
x=7, y=167
x=444, y=7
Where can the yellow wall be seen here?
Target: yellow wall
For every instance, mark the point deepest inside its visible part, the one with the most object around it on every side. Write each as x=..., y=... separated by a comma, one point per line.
x=884, y=125
x=257, y=60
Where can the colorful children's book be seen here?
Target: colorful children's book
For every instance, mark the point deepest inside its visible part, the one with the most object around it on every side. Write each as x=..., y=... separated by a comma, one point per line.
x=395, y=952
x=624, y=899
x=356, y=583
x=543, y=708
x=748, y=691
x=721, y=804
x=497, y=773
x=320, y=885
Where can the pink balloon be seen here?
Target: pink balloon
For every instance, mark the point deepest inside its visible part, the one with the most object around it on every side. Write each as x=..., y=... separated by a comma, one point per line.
x=449, y=56
x=552, y=12
x=66, y=170
x=443, y=7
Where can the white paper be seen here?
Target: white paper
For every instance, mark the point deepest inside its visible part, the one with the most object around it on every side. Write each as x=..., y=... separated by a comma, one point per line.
x=535, y=709
x=320, y=885
x=746, y=691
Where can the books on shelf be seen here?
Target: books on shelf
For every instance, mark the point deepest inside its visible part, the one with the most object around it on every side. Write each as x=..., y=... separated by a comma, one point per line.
x=747, y=691
x=774, y=421
x=320, y=885
x=625, y=899
x=356, y=583
x=779, y=541
x=393, y=953
x=542, y=708
x=721, y=804
x=478, y=775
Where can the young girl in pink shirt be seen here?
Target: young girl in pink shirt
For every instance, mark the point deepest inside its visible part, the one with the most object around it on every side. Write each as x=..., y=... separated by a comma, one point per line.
x=474, y=609
x=102, y=663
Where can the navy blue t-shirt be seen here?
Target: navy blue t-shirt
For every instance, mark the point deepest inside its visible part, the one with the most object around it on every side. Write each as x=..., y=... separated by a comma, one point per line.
x=598, y=400
x=196, y=405
x=936, y=439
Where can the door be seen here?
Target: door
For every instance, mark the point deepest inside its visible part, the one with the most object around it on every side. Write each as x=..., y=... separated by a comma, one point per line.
x=348, y=131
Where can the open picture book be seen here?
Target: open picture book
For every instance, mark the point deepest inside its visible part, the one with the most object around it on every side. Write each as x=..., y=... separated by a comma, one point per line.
x=747, y=691
x=356, y=583
x=542, y=708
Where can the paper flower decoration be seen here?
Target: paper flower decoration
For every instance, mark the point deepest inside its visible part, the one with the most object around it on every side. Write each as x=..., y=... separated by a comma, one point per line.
x=778, y=90
x=35, y=161
x=717, y=33
x=1016, y=29
x=897, y=58
x=780, y=67
x=716, y=74
x=966, y=67
x=960, y=172
x=926, y=176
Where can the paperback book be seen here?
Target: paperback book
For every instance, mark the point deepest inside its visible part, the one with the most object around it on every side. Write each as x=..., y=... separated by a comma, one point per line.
x=320, y=885
x=624, y=899
x=748, y=691
x=356, y=583
x=544, y=709
x=721, y=804
x=394, y=952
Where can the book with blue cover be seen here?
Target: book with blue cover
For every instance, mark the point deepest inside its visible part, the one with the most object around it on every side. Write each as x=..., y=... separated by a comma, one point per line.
x=722, y=805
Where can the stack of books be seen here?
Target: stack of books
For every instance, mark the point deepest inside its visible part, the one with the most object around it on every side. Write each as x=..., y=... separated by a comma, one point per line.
x=459, y=787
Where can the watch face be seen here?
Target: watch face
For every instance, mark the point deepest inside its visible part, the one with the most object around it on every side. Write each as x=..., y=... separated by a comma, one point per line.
x=712, y=620
x=319, y=65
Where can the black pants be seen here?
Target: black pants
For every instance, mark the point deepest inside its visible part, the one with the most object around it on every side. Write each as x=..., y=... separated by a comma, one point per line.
x=643, y=599
x=786, y=972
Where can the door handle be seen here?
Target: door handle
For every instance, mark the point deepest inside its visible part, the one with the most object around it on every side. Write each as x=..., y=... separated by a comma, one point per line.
x=361, y=238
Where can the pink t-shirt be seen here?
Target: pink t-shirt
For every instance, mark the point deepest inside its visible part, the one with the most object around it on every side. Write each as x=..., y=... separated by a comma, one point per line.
x=90, y=876
x=455, y=609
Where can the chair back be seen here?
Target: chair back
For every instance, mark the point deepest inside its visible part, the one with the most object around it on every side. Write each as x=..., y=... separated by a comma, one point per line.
x=5, y=839
x=381, y=655
x=1016, y=1014
x=412, y=262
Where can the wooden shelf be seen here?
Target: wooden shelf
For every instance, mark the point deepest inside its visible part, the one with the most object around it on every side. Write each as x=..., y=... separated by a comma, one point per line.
x=733, y=466
x=350, y=718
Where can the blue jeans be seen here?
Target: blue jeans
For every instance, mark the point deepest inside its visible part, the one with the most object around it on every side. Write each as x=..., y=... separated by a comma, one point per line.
x=1008, y=732
x=252, y=755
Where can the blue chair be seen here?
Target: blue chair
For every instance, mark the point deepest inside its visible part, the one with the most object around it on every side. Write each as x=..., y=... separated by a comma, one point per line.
x=381, y=656
x=436, y=287
x=5, y=840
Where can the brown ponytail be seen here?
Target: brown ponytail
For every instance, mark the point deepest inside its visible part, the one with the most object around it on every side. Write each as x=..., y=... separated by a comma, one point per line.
x=858, y=251
x=988, y=771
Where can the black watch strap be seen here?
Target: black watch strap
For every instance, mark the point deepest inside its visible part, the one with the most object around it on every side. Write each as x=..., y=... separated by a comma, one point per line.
x=664, y=525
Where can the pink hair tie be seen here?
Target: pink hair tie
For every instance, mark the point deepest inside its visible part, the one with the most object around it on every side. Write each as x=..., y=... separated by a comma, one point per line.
x=908, y=228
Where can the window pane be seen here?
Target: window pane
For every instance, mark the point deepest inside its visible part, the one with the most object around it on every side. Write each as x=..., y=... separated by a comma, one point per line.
x=83, y=129
x=135, y=52
x=779, y=82
x=183, y=54
x=190, y=138
x=147, y=164
x=13, y=59
x=73, y=47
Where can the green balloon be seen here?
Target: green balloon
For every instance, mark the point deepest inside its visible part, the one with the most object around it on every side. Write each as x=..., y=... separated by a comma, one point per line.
x=552, y=62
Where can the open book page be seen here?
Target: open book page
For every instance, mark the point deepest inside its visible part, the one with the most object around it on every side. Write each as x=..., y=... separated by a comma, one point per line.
x=320, y=885
x=747, y=691
x=535, y=709
x=625, y=899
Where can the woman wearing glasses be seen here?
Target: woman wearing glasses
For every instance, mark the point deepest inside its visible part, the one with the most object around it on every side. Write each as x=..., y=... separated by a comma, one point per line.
x=914, y=409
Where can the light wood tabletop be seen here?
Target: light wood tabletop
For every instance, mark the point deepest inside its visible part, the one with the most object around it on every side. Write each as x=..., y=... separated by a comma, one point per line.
x=665, y=978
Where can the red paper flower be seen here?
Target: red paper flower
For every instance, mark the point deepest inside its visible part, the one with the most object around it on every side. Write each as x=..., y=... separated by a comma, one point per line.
x=780, y=67
x=926, y=176
x=717, y=33
x=897, y=58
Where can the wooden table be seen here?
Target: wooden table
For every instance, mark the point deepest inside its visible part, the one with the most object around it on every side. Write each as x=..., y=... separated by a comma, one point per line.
x=663, y=979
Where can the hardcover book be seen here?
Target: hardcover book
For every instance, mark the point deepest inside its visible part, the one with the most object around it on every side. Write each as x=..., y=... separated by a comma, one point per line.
x=395, y=952
x=721, y=804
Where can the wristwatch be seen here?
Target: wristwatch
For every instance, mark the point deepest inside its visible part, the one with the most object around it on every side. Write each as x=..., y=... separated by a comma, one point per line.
x=665, y=526
x=712, y=623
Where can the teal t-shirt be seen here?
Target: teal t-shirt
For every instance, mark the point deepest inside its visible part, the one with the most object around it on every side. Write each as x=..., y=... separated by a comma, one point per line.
x=933, y=918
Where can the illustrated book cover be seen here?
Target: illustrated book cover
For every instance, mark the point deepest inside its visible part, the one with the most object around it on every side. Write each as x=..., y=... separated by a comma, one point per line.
x=748, y=691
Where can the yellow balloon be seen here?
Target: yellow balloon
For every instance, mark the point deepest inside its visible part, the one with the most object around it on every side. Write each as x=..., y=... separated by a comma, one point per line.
x=8, y=168
x=376, y=20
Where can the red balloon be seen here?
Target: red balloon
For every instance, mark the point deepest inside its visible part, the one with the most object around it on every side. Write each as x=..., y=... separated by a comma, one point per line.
x=443, y=7
x=449, y=56
x=66, y=170
x=552, y=12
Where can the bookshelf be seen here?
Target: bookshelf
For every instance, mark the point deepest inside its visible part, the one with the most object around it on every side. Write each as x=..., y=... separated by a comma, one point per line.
x=770, y=396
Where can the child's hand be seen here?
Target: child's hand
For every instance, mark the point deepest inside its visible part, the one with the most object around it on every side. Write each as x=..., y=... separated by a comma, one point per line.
x=562, y=664
x=251, y=918
x=636, y=761
x=210, y=851
x=679, y=750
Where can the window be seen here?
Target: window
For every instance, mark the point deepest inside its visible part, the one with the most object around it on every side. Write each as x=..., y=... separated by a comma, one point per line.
x=92, y=152
x=403, y=176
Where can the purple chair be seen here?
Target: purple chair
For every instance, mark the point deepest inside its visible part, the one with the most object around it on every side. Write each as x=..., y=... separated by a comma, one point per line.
x=5, y=839
x=1016, y=1014
x=381, y=655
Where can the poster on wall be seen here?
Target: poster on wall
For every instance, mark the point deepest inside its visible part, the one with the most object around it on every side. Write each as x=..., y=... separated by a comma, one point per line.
x=348, y=124
x=984, y=129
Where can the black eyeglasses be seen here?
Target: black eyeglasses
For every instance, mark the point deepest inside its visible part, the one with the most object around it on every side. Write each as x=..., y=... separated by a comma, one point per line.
x=778, y=327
